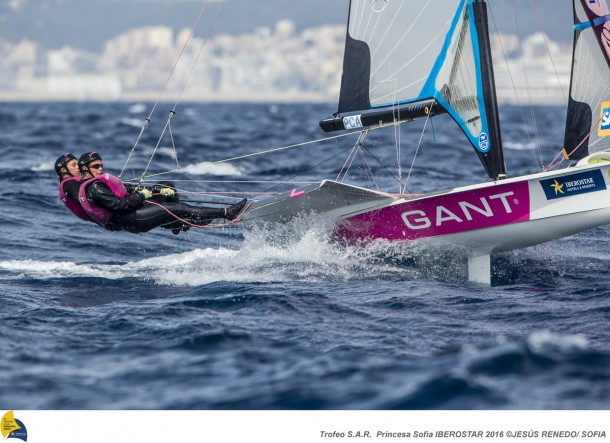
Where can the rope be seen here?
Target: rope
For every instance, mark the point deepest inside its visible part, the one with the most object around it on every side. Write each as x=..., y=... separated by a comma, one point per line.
x=566, y=155
x=206, y=226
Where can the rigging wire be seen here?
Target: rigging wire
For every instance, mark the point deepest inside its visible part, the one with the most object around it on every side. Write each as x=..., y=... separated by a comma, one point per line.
x=205, y=40
x=173, y=111
x=350, y=158
x=395, y=114
x=546, y=45
x=421, y=136
x=267, y=151
x=148, y=119
x=512, y=80
x=527, y=83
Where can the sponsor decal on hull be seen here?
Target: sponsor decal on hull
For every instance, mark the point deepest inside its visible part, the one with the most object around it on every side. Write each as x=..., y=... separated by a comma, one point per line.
x=604, y=121
x=444, y=214
x=573, y=184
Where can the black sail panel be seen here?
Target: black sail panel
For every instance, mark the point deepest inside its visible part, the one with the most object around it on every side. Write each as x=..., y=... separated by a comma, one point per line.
x=356, y=76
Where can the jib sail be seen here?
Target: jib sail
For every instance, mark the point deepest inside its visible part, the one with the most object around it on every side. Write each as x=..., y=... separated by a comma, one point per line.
x=588, y=116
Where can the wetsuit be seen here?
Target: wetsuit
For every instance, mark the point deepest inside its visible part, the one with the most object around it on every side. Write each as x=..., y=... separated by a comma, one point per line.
x=119, y=209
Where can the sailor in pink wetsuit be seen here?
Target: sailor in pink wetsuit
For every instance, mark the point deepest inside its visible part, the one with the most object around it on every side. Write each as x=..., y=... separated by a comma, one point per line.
x=67, y=170
x=120, y=207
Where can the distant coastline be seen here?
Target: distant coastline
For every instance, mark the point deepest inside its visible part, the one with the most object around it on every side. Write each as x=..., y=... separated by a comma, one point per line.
x=151, y=96
x=276, y=64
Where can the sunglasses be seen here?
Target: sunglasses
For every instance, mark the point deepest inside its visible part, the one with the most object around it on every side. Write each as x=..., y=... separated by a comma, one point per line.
x=96, y=166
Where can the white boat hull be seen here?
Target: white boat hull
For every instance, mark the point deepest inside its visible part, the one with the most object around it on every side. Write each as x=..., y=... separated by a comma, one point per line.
x=479, y=219
x=496, y=216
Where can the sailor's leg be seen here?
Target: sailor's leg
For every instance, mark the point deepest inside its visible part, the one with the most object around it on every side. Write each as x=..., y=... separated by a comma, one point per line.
x=172, y=215
x=169, y=214
x=233, y=211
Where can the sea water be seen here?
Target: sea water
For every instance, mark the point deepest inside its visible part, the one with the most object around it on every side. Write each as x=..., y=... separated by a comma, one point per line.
x=281, y=317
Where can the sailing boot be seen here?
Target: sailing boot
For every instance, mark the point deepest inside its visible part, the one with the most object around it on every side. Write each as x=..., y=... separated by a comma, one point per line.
x=233, y=211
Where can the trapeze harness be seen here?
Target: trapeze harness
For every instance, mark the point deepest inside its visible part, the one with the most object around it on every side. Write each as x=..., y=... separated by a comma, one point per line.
x=100, y=215
x=70, y=203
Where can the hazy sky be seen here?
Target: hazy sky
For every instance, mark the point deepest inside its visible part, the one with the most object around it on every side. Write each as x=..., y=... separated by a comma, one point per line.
x=87, y=24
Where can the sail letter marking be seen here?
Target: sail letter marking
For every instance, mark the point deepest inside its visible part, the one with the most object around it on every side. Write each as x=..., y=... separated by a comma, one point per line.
x=352, y=122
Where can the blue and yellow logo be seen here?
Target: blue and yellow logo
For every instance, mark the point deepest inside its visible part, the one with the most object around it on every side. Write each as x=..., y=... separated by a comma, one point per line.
x=604, y=120
x=12, y=427
x=573, y=184
x=558, y=187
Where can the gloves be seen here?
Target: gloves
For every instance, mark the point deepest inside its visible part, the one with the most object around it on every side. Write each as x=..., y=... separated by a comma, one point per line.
x=168, y=192
x=147, y=193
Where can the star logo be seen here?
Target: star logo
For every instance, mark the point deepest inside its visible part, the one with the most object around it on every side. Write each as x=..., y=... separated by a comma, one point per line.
x=558, y=187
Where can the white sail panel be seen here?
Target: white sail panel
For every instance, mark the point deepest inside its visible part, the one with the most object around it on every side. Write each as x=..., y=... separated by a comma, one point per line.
x=405, y=39
x=588, y=117
x=457, y=81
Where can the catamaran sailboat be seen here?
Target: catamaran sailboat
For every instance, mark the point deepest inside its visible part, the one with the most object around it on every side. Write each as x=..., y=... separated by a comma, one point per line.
x=440, y=62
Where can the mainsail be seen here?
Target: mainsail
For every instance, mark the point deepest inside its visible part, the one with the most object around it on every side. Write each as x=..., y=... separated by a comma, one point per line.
x=588, y=117
x=407, y=59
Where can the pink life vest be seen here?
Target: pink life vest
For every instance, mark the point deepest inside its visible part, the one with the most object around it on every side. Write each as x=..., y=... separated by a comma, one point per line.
x=98, y=214
x=70, y=203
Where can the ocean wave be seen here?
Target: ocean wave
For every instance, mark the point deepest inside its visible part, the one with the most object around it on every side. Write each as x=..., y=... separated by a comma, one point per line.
x=132, y=122
x=215, y=169
x=516, y=146
x=137, y=108
x=56, y=269
x=531, y=372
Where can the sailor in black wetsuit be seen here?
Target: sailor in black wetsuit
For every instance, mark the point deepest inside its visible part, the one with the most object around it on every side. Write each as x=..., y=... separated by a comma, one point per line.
x=116, y=206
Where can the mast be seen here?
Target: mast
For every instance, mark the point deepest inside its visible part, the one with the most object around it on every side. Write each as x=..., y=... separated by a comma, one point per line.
x=493, y=160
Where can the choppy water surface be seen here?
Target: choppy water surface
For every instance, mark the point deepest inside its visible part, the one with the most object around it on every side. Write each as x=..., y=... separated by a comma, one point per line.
x=282, y=318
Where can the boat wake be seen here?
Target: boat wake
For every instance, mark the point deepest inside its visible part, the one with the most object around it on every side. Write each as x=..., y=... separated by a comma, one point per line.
x=300, y=251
